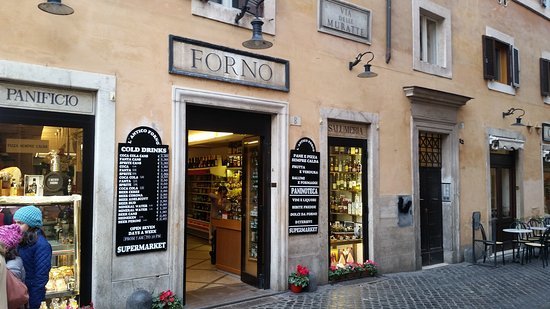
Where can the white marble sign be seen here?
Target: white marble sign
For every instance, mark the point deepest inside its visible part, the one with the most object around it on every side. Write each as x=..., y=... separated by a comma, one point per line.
x=345, y=20
x=204, y=60
x=46, y=99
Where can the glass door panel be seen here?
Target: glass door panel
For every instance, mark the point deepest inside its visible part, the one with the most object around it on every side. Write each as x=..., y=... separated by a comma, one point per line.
x=251, y=210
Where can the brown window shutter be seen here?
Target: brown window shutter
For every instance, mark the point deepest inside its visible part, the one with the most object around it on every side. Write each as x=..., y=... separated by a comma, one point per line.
x=488, y=57
x=544, y=77
x=515, y=66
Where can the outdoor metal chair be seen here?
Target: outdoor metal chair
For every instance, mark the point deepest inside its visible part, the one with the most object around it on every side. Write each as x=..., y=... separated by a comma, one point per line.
x=520, y=238
x=535, y=234
x=487, y=243
x=542, y=244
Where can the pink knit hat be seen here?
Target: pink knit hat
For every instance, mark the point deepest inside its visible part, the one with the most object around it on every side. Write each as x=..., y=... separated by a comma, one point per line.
x=10, y=235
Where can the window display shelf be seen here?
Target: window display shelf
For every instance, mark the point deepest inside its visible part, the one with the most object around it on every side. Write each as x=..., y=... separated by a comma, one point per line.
x=345, y=242
x=38, y=200
x=61, y=227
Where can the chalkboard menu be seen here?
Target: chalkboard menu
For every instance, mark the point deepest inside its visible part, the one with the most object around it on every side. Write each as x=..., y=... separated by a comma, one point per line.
x=142, y=195
x=304, y=188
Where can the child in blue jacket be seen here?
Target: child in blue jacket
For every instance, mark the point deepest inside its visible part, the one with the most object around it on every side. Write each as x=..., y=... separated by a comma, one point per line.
x=36, y=252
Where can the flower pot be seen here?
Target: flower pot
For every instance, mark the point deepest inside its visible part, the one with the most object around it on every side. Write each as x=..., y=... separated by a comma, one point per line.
x=295, y=288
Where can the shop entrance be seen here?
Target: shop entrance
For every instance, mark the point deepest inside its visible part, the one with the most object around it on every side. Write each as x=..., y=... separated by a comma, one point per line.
x=227, y=201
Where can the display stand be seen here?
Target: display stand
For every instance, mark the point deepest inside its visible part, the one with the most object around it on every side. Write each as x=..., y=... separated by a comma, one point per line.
x=201, y=183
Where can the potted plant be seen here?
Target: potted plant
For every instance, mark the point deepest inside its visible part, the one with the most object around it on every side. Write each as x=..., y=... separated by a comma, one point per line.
x=352, y=271
x=167, y=300
x=299, y=279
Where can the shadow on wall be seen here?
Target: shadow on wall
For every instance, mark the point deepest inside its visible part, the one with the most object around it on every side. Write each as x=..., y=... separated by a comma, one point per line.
x=404, y=211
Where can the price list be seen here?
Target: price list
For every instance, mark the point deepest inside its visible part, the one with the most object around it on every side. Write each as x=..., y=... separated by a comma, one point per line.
x=304, y=188
x=142, y=199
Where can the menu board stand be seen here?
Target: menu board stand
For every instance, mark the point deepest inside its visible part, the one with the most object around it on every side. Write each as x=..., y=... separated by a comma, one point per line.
x=142, y=193
x=304, y=188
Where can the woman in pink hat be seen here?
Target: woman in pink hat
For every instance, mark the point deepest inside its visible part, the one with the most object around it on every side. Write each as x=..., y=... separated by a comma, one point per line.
x=10, y=236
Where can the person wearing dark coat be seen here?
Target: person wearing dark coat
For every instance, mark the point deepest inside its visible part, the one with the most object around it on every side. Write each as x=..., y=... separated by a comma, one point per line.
x=36, y=253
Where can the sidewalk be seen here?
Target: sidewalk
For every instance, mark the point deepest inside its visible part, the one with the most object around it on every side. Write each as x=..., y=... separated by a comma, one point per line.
x=461, y=285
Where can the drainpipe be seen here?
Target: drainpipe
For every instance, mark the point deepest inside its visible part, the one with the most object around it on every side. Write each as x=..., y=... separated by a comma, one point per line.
x=388, y=31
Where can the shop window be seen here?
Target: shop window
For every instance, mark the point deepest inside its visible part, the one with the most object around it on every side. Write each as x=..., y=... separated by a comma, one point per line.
x=432, y=38
x=545, y=79
x=237, y=4
x=226, y=10
x=43, y=165
x=501, y=65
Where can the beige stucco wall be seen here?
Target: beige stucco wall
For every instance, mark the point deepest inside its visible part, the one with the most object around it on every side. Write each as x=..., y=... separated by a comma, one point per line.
x=130, y=42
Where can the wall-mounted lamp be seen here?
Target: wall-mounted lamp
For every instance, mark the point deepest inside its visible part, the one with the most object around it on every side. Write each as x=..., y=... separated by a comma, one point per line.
x=512, y=111
x=55, y=7
x=257, y=41
x=368, y=72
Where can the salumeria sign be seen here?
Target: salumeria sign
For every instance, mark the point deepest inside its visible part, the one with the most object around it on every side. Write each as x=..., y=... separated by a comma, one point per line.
x=46, y=99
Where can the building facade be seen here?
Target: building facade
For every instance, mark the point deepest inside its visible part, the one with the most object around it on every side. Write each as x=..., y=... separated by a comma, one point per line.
x=388, y=168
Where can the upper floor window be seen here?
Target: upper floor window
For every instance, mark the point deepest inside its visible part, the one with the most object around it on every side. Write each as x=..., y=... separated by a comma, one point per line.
x=500, y=62
x=226, y=11
x=238, y=4
x=432, y=38
x=545, y=78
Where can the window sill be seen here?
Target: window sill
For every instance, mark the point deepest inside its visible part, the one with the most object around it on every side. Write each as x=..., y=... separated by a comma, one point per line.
x=496, y=86
x=227, y=15
x=546, y=100
x=433, y=69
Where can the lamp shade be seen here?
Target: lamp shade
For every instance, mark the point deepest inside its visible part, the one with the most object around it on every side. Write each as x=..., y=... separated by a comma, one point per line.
x=55, y=7
x=257, y=41
x=368, y=73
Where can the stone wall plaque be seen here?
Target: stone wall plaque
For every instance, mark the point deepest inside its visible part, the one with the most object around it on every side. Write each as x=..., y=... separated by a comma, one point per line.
x=345, y=20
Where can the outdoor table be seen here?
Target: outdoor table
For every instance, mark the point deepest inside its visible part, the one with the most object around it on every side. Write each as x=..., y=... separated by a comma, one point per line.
x=518, y=232
x=538, y=228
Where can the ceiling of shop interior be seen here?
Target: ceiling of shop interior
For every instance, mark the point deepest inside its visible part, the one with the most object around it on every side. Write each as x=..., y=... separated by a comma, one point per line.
x=216, y=142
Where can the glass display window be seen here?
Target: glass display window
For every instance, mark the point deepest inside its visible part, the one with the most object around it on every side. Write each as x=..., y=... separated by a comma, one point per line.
x=347, y=201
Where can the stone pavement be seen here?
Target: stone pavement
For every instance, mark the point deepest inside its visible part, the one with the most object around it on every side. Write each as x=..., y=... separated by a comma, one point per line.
x=463, y=285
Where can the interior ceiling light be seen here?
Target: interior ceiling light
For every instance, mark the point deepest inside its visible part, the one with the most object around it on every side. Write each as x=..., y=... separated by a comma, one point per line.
x=55, y=7
x=368, y=73
x=198, y=136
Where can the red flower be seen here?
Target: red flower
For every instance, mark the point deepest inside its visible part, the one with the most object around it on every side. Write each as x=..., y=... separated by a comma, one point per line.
x=302, y=270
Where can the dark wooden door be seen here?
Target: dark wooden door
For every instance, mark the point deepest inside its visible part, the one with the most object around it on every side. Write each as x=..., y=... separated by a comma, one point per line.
x=503, y=194
x=431, y=226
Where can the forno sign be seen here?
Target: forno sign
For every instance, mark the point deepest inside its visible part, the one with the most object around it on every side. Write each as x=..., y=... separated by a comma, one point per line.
x=204, y=60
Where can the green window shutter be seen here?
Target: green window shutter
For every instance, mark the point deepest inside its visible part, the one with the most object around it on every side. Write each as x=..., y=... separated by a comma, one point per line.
x=489, y=57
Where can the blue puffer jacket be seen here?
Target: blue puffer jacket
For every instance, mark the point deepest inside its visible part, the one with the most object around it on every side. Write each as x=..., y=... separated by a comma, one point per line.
x=37, y=259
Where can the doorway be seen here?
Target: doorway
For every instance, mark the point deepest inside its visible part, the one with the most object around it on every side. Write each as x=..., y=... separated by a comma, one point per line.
x=431, y=224
x=503, y=192
x=227, y=201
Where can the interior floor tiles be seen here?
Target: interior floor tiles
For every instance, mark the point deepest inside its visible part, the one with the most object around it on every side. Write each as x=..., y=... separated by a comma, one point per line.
x=207, y=286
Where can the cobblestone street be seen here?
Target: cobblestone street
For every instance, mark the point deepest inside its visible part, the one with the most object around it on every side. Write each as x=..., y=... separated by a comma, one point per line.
x=461, y=285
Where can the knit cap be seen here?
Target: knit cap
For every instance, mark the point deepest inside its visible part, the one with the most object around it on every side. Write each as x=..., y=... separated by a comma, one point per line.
x=31, y=215
x=10, y=235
